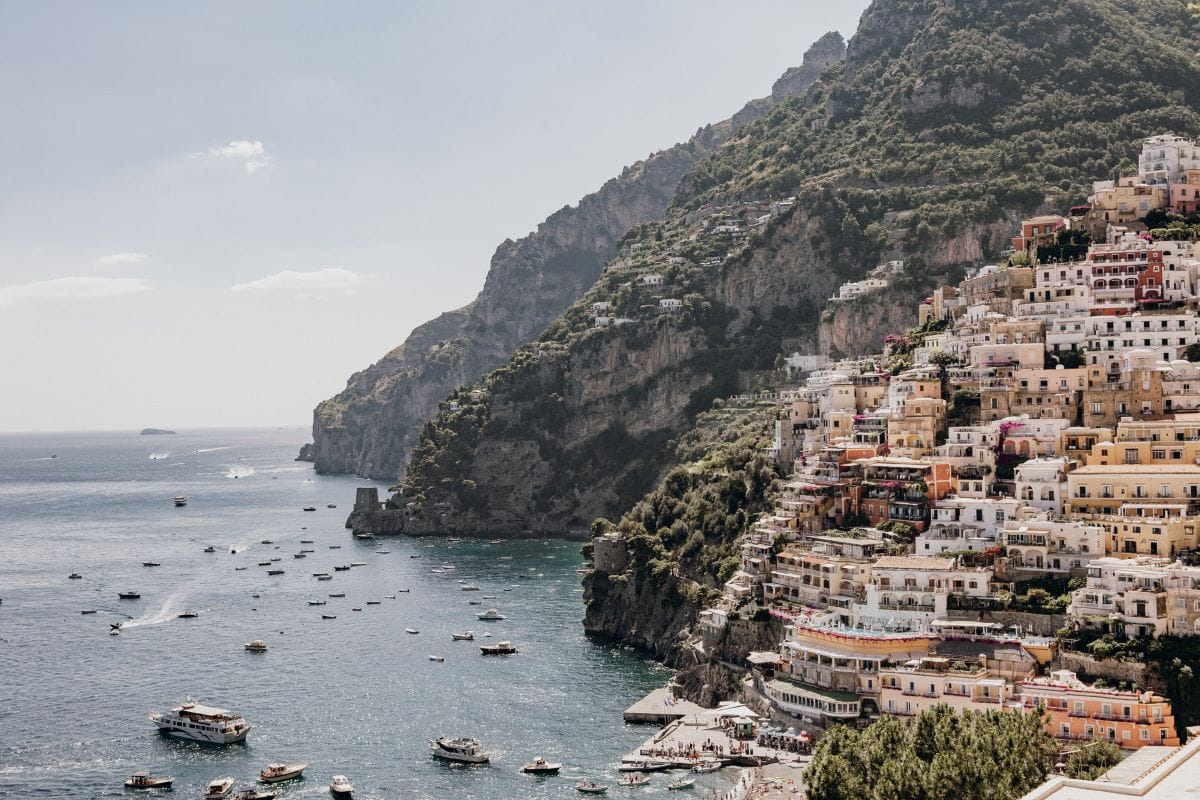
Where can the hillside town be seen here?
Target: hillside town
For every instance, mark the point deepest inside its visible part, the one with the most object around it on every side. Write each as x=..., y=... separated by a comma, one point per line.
x=1023, y=465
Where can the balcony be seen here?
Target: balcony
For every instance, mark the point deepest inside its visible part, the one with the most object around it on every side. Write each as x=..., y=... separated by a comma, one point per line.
x=921, y=607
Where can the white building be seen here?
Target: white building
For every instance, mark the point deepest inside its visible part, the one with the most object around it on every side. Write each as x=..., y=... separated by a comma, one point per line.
x=1164, y=158
x=1042, y=483
x=915, y=590
x=1045, y=545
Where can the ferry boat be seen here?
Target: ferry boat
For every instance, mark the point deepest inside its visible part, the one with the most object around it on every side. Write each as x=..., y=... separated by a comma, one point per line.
x=257, y=646
x=180, y=500
x=466, y=750
x=144, y=780
x=591, y=787
x=218, y=789
x=277, y=773
x=540, y=766
x=492, y=615
x=498, y=649
x=340, y=786
x=200, y=723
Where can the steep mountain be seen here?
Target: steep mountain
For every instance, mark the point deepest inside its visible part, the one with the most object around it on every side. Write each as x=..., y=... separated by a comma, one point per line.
x=371, y=426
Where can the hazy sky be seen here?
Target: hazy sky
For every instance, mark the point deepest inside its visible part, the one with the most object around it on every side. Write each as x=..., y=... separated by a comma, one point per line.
x=211, y=214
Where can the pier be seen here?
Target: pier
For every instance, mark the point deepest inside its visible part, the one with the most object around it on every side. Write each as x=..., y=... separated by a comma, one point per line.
x=660, y=707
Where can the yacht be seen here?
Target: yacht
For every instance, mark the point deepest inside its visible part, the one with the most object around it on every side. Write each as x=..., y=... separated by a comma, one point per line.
x=491, y=614
x=591, y=787
x=465, y=750
x=340, y=786
x=498, y=649
x=180, y=500
x=463, y=636
x=257, y=646
x=191, y=720
x=144, y=780
x=277, y=773
x=540, y=766
x=219, y=788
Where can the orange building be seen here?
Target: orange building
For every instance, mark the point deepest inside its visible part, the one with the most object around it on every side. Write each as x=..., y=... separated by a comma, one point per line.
x=1077, y=711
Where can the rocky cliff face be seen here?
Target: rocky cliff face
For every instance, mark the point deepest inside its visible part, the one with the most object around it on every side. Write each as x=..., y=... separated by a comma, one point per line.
x=371, y=426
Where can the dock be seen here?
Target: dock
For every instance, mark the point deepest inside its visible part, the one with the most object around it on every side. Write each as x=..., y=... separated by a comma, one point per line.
x=660, y=707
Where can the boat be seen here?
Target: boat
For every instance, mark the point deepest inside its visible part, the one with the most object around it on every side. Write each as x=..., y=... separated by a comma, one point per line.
x=404, y=591
x=319, y=574
x=643, y=766
x=221, y=787
x=200, y=723
x=187, y=615
x=151, y=564
x=328, y=616
x=411, y=630
x=437, y=658
x=257, y=646
x=180, y=500
x=253, y=793
x=274, y=572
x=144, y=780
x=469, y=587
x=74, y=576
x=115, y=632
x=306, y=541
x=374, y=602
x=267, y=541
x=389, y=597
x=474, y=602
x=129, y=595
x=340, y=786
x=264, y=563
x=464, y=636
x=310, y=508
x=705, y=766
x=300, y=555
x=491, y=614
x=337, y=594
x=682, y=783
x=498, y=649
x=591, y=787
x=238, y=569
x=540, y=766
x=331, y=505
x=210, y=549
x=324, y=577
x=360, y=535
x=335, y=547
x=341, y=568
x=316, y=602
x=383, y=552
x=358, y=563
x=468, y=751
x=277, y=773
x=88, y=611
x=356, y=609
x=277, y=558
x=414, y=555
x=634, y=779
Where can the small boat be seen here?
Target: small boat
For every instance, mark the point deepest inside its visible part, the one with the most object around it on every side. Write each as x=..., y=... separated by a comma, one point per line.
x=643, y=766
x=540, y=766
x=151, y=564
x=474, y=602
x=300, y=555
x=411, y=630
x=115, y=632
x=238, y=569
x=633, y=779
x=221, y=787
x=306, y=541
x=414, y=555
x=591, y=787
x=682, y=783
x=469, y=587
x=251, y=793
x=277, y=773
x=310, y=508
x=466, y=750
x=144, y=780
x=337, y=594
x=341, y=568
x=356, y=609
x=464, y=636
x=340, y=786
x=331, y=505
x=277, y=558
x=74, y=576
x=403, y=591
x=257, y=646
x=358, y=535
x=495, y=541
x=491, y=615
x=389, y=597
x=319, y=574
x=324, y=577
x=187, y=615
x=274, y=572
x=255, y=595
x=210, y=549
x=129, y=595
x=316, y=602
x=180, y=500
x=264, y=563
x=88, y=611
x=358, y=563
x=498, y=649
x=374, y=602
x=437, y=658
x=328, y=616
x=267, y=541
x=335, y=547
x=383, y=552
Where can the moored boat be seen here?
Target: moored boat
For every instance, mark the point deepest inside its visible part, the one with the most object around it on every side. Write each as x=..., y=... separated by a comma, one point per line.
x=540, y=766
x=498, y=649
x=463, y=636
x=180, y=500
x=74, y=576
x=219, y=788
x=591, y=787
x=253, y=793
x=257, y=646
x=144, y=780
x=129, y=595
x=200, y=723
x=491, y=615
x=277, y=773
x=468, y=751
x=682, y=783
x=634, y=779
x=705, y=766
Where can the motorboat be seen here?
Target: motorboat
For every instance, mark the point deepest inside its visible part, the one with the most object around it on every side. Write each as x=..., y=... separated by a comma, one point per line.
x=257, y=646
x=210, y=549
x=310, y=508
x=74, y=576
x=324, y=577
x=358, y=563
x=498, y=649
x=180, y=500
x=238, y=569
x=437, y=658
x=468, y=751
x=253, y=793
x=643, y=766
x=129, y=595
x=187, y=615
x=340, y=786
x=411, y=630
x=88, y=611
x=404, y=591
x=316, y=602
x=491, y=615
x=144, y=780
x=331, y=505
x=200, y=723
x=337, y=594
x=469, y=587
x=463, y=636
x=389, y=597
x=634, y=779
x=682, y=783
x=151, y=563
x=277, y=773
x=274, y=572
x=219, y=788
x=591, y=787
x=319, y=574
x=374, y=602
x=328, y=616
x=341, y=568
x=705, y=766
x=264, y=563
x=267, y=541
x=540, y=766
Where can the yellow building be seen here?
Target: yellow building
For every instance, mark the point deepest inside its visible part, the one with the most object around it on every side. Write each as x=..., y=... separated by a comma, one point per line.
x=1103, y=489
x=912, y=434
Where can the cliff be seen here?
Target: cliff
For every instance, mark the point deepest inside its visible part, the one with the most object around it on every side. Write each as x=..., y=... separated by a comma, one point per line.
x=371, y=427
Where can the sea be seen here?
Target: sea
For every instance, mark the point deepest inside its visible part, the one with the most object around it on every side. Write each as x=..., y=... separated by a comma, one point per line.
x=355, y=695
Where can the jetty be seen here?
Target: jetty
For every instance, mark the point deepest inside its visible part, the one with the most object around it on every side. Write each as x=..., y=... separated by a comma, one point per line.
x=660, y=707
x=725, y=734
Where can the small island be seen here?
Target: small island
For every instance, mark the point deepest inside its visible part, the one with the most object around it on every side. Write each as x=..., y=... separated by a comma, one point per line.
x=156, y=432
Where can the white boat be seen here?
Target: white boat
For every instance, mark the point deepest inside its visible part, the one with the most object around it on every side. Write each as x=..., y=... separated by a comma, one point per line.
x=180, y=500
x=411, y=630
x=468, y=751
x=144, y=780
x=591, y=787
x=340, y=786
x=463, y=636
x=277, y=773
x=469, y=587
x=220, y=788
x=358, y=563
x=437, y=658
x=491, y=614
x=634, y=779
x=682, y=783
x=253, y=793
x=200, y=723
x=540, y=766
x=705, y=766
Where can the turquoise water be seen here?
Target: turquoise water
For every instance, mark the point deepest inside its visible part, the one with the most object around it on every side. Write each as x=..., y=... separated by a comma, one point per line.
x=354, y=695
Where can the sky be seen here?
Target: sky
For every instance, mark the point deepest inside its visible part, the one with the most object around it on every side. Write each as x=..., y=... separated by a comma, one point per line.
x=212, y=214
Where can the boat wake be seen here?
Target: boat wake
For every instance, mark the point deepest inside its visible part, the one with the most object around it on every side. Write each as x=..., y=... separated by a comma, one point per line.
x=165, y=613
x=157, y=456
x=238, y=471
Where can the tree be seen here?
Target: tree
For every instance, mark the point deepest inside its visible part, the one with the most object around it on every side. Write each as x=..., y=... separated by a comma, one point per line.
x=1092, y=760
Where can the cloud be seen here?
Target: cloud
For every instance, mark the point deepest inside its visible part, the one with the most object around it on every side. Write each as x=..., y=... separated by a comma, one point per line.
x=74, y=287
x=117, y=259
x=253, y=155
x=305, y=283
